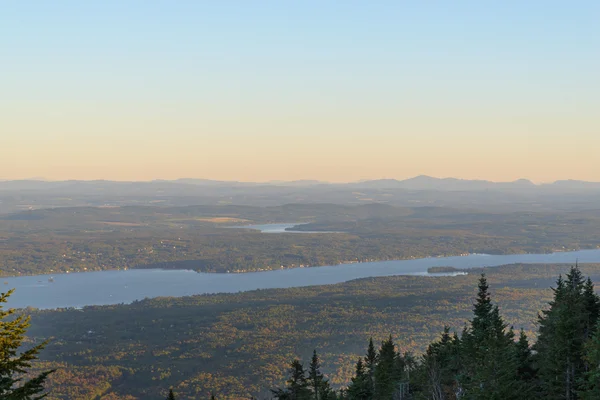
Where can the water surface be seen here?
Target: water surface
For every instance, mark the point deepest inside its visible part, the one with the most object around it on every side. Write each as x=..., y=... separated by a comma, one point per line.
x=278, y=228
x=113, y=287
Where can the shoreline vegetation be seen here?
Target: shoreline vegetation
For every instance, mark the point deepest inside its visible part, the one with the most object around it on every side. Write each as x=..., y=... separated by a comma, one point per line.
x=173, y=264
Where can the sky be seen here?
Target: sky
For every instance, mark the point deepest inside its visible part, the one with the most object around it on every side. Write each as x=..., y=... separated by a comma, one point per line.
x=286, y=90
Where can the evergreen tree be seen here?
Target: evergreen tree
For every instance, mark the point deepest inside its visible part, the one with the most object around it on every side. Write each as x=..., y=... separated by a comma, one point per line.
x=319, y=385
x=489, y=352
x=592, y=306
x=297, y=386
x=563, y=330
x=386, y=375
x=171, y=396
x=12, y=365
x=590, y=389
x=486, y=361
x=440, y=368
x=370, y=364
x=326, y=392
x=359, y=386
x=482, y=310
x=432, y=379
x=405, y=364
x=525, y=369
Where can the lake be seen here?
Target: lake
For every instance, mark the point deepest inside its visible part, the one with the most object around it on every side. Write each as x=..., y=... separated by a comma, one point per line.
x=113, y=287
x=278, y=228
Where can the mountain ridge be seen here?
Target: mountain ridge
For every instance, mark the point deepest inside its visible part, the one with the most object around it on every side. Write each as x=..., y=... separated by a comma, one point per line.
x=420, y=182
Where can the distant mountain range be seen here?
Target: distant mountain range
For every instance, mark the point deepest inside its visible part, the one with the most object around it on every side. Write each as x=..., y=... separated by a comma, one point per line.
x=420, y=183
x=424, y=182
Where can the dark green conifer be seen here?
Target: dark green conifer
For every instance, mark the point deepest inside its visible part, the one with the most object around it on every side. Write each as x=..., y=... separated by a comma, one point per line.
x=487, y=362
x=359, y=386
x=318, y=384
x=488, y=352
x=441, y=367
x=526, y=371
x=386, y=375
x=590, y=388
x=370, y=364
x=13, y=386
x=297, y=386
x=563, y=330
x=592, y=306
x=171, y=396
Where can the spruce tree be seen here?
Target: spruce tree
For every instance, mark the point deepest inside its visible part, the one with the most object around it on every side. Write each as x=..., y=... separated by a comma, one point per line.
x=431, y=379
x=441, y=366
x=12, y=365
x=590, y=388
x=359, y=385
x=592, y=306
x=489, y=352
x=563, y=330
x=370, y=364
x=525, y=369
x=297, y=386
x=386, y=375
x=319, y=385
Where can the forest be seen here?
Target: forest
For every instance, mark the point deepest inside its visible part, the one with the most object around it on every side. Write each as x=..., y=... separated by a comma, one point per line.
x=241, y=345
x=486, y=360
x=200, y=238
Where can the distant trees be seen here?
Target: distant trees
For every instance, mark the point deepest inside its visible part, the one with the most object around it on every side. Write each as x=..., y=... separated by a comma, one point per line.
x=13, y=366
x=487, y=360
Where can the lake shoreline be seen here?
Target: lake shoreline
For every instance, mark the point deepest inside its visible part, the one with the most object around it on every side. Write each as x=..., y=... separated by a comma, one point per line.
x=341, y=263
x=126, y=286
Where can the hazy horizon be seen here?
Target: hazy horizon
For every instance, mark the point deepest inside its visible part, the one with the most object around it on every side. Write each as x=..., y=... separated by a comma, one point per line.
x=300, y=90
x=274, y=181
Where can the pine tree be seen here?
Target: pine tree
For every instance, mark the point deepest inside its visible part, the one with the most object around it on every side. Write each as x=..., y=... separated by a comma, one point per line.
x=12, y=365
x=592, y=306
x=431, y=368
x=405, y=364
x=475, y=338
x=370, y=364
x=386, y=375
x=591, y=385
x=297, y=386
x=563, y=330
x=171, y=396
x=482, y=310
x=525, y=368
x=319, y=385
x=489, y=352
x=359, y=385
x=486, y=361
x=441, y=367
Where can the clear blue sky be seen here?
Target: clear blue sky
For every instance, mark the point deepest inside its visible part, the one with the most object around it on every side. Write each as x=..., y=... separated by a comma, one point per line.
x=331, y=90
